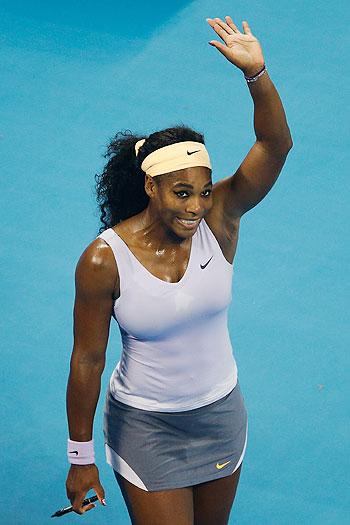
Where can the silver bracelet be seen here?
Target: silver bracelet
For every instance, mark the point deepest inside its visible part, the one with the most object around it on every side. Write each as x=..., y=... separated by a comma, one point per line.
x=257, y=76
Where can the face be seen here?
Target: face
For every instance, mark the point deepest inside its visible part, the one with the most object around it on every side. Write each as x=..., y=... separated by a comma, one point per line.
x=181, y=199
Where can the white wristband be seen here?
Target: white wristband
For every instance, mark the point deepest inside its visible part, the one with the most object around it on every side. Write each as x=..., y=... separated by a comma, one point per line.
x=80, y=452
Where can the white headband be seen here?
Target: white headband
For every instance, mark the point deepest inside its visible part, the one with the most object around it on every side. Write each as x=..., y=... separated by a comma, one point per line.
x=180, y=155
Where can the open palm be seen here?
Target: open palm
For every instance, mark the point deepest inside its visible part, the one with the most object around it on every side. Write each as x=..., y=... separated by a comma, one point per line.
x=241, y=49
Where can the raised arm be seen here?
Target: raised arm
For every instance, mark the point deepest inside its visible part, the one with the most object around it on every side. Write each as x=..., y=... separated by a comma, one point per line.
x=95, y=281
x=259, y=170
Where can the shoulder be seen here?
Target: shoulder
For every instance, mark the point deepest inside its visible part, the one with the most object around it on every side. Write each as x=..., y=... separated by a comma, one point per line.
x=96, y=270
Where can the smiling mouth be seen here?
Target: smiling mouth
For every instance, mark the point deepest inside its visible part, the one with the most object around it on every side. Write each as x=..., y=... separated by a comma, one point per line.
x=188, y=222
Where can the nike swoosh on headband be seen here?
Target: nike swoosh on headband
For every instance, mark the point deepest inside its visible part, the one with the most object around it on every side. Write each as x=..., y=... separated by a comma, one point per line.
x=191, y=152
x=206, y=264
x=73, y=452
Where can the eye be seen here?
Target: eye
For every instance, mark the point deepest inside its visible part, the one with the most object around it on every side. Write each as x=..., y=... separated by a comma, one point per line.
x=179, y=193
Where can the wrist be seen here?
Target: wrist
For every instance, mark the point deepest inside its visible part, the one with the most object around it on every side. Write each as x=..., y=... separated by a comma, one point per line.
x=82, y=467
x=256, y=76
x=80, y=452
x=253, y=70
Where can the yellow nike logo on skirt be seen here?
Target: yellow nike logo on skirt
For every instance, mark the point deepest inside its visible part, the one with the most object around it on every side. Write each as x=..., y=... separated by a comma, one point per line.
x=218, y=466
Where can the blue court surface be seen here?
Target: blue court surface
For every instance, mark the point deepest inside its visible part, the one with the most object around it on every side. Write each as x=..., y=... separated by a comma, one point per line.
x=71, y=77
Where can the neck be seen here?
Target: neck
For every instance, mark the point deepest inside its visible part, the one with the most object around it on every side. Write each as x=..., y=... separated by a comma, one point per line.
x=154, y=234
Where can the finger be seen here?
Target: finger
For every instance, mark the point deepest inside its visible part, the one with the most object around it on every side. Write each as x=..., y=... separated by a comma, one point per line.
x=225, y=26
x=88, y=507
x=218, y=29
x=100, y=493
x=77, y=504
x=231, y=24
x=246, y=28
x=219, y=46
x=223, y=34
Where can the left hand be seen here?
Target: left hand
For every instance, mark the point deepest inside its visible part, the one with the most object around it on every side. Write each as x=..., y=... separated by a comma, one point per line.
x=241, y=49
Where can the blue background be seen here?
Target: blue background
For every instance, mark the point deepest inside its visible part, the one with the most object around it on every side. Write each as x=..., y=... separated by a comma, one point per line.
x=74, y=75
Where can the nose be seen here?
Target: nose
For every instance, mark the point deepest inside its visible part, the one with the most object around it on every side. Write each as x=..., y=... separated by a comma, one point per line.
x=194, y=206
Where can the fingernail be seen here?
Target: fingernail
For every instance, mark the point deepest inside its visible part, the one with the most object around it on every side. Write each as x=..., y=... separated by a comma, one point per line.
x=103, y=501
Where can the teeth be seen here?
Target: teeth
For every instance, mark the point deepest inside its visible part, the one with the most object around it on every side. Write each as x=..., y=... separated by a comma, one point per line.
x=188, y=221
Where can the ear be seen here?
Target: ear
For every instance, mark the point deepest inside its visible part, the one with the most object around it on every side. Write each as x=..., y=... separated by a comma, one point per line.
x=151, y=187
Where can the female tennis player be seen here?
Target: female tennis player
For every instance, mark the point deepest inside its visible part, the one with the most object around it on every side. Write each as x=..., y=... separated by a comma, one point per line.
x=175, y=422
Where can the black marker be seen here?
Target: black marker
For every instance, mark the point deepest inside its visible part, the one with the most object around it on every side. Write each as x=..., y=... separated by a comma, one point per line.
x=61, y=512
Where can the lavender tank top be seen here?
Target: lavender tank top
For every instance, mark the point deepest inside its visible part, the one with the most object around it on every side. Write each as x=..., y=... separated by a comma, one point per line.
x=176, y=349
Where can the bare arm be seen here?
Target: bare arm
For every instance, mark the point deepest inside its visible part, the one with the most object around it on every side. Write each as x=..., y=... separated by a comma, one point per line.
x=261, y=167
x=95, y=281
x=254, y=178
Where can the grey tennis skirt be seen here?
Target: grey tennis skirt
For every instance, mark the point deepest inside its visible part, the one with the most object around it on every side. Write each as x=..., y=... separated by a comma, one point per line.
x=168, y=450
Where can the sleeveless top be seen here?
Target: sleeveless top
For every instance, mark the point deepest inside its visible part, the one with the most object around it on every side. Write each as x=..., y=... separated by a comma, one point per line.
x=176, y=349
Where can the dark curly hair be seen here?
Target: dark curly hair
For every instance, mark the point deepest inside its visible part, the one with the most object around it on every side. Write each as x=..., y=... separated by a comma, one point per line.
x=120, y=188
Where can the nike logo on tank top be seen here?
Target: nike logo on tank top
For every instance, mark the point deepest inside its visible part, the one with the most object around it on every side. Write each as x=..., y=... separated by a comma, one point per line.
x=176, y=349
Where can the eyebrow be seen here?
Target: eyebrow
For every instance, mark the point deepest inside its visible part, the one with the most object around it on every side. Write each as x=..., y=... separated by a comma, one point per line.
x=209, y=183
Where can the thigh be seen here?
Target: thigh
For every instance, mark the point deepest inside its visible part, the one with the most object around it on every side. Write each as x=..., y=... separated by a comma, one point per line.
x=213, y=500
x=170, y=507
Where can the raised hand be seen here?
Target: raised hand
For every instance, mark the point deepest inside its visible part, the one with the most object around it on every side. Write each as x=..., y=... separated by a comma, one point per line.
x=241, y=49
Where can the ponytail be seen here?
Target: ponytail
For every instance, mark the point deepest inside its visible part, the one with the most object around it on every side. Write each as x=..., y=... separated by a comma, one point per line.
x=120, y=188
